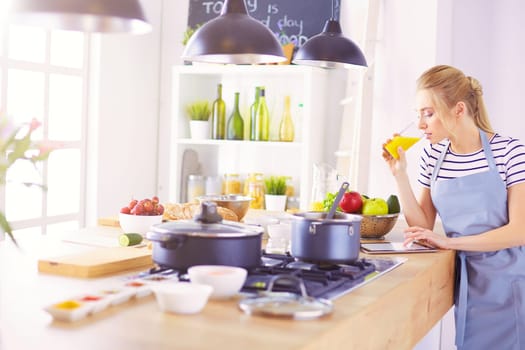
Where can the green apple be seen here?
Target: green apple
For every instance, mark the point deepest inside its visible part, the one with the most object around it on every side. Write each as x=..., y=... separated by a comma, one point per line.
x=375, y=206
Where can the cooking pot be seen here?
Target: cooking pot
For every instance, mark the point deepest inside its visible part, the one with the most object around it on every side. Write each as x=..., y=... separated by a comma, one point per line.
x=206, y=240
x=318, y=239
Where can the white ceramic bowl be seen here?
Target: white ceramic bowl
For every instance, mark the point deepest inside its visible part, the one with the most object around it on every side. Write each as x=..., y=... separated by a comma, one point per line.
x=138, y=223
x=182, y=297
x=225, y=280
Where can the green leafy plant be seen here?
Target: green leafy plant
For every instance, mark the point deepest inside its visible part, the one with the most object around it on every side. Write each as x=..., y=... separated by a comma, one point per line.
x=188, y=34
x=198, y=110
x=275, y=185
x=16, y=145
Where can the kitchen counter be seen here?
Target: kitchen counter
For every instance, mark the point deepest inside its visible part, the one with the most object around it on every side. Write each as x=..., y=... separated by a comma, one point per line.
x=393, y=311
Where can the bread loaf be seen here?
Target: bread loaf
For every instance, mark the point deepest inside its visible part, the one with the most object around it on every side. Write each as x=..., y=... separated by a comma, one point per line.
x=185, y=211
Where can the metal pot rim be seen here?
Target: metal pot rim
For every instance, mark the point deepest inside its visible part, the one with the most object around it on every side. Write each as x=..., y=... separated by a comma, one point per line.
x=339, y=218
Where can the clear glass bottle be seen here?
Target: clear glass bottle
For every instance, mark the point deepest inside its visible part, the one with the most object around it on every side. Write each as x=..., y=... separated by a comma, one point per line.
x=218, y=116
x=286, y=127
x=262, y=125
x=235, y=127
x=253, y=114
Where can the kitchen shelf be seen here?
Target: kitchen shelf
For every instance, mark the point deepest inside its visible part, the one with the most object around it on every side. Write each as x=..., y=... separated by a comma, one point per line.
x=307, y=87
x=240, y=143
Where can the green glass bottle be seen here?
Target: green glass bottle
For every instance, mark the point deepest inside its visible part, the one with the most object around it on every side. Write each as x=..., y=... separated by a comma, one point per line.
x=235, y=127
x=286, y=128
x=253, y=114
x=262, y=124
x=218, y=116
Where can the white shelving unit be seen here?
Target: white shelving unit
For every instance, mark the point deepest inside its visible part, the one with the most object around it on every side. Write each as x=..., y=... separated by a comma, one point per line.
x=307, y=88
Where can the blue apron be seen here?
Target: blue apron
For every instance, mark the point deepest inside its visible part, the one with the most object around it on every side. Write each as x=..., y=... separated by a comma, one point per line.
x=490, y=286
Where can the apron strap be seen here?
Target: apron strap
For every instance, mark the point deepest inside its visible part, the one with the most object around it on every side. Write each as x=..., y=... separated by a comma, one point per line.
x=440, y=161
x=486, y=148
x=462, y=300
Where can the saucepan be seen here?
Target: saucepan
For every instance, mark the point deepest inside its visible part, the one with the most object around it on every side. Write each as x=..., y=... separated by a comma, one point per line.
x=332, y=237
x=206, y=240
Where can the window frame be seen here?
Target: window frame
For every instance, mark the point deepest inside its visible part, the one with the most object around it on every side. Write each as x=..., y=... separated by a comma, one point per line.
x=48, y=69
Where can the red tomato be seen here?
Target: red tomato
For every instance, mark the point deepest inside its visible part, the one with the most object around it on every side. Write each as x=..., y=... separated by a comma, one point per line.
x=351, y=202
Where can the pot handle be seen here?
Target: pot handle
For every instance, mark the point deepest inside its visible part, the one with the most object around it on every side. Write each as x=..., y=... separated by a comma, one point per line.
x=290, y=278
x=312, y=229
x=171, y=241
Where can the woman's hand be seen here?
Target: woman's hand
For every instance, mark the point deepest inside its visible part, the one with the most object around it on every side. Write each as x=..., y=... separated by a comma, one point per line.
x=397, y=166
x=425, y=236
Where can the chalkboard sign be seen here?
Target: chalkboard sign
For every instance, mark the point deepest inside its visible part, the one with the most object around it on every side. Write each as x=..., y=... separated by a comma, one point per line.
x=290, y=20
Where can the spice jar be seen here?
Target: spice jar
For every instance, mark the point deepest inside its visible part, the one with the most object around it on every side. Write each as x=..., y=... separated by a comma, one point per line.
x=254, y=187
x=232, y=184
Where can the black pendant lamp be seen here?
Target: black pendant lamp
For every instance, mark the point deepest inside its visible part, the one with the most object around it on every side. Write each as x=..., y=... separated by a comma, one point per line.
x=330, y=49
x=103, y=16
x=234, y=37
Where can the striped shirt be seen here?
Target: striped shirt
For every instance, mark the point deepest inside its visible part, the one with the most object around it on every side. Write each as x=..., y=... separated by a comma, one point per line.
x=509, y=156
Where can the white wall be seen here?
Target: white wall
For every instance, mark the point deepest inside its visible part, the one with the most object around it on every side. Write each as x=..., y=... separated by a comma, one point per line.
x=126, y=106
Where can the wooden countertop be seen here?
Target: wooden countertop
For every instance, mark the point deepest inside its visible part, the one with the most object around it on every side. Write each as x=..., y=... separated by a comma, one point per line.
x=392, y=312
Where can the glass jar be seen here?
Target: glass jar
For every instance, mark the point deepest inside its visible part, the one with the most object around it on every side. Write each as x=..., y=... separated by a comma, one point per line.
x=232, y=184
x=214, y=185
x=254, y=187
x=195, y=187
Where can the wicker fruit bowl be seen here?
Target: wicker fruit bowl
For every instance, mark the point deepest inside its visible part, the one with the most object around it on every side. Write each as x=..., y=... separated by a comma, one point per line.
x=377, y=226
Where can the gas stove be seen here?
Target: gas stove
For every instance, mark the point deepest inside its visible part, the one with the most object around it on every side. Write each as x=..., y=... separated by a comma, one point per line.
x=320, y=280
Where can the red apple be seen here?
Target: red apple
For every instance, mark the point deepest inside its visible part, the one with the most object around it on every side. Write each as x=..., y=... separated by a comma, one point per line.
x=351, y=202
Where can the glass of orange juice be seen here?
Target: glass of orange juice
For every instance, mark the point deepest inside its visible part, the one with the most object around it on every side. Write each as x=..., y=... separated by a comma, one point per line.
x=405, y=139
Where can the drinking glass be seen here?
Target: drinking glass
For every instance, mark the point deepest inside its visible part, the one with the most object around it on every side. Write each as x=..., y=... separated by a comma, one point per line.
x=405, y=139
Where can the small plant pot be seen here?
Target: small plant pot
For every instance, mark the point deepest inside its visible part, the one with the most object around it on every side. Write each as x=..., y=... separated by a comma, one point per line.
x=199, y=129
x=275, y=202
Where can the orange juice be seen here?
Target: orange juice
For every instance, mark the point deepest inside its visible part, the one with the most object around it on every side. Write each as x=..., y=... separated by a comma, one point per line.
x=404, y=141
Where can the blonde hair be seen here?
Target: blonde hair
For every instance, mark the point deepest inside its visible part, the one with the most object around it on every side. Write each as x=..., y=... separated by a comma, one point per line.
x=448, y=86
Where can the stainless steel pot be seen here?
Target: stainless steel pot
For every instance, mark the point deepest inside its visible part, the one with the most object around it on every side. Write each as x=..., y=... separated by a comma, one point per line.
x=315, y=238
x=206, y=240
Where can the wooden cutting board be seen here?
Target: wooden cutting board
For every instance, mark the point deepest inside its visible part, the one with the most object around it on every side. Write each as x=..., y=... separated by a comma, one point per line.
x=97, y=262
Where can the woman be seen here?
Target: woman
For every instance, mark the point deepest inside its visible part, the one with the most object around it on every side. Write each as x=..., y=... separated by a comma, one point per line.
x=474, y=179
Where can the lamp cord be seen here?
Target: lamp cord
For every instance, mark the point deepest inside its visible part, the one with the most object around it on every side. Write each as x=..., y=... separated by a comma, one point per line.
x=335, y=10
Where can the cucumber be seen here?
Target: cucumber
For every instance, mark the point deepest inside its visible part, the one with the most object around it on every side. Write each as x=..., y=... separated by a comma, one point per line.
x=129, y=239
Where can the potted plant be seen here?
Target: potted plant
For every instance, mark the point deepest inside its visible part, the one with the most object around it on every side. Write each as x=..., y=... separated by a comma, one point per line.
x=275, y=193
x=199, y=113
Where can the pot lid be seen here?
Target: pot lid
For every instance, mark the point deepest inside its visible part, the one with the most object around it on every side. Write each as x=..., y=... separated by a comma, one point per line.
x=287, y=305
x=207, y=223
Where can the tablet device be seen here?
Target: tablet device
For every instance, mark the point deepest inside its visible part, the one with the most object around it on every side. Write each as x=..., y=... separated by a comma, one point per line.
x=395, y=247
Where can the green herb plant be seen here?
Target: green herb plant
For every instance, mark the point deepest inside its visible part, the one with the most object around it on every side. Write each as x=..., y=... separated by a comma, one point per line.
x=199, y=110
x=275, y=185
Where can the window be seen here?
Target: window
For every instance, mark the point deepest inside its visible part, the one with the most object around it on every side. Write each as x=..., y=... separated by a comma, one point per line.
x=43, y=75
